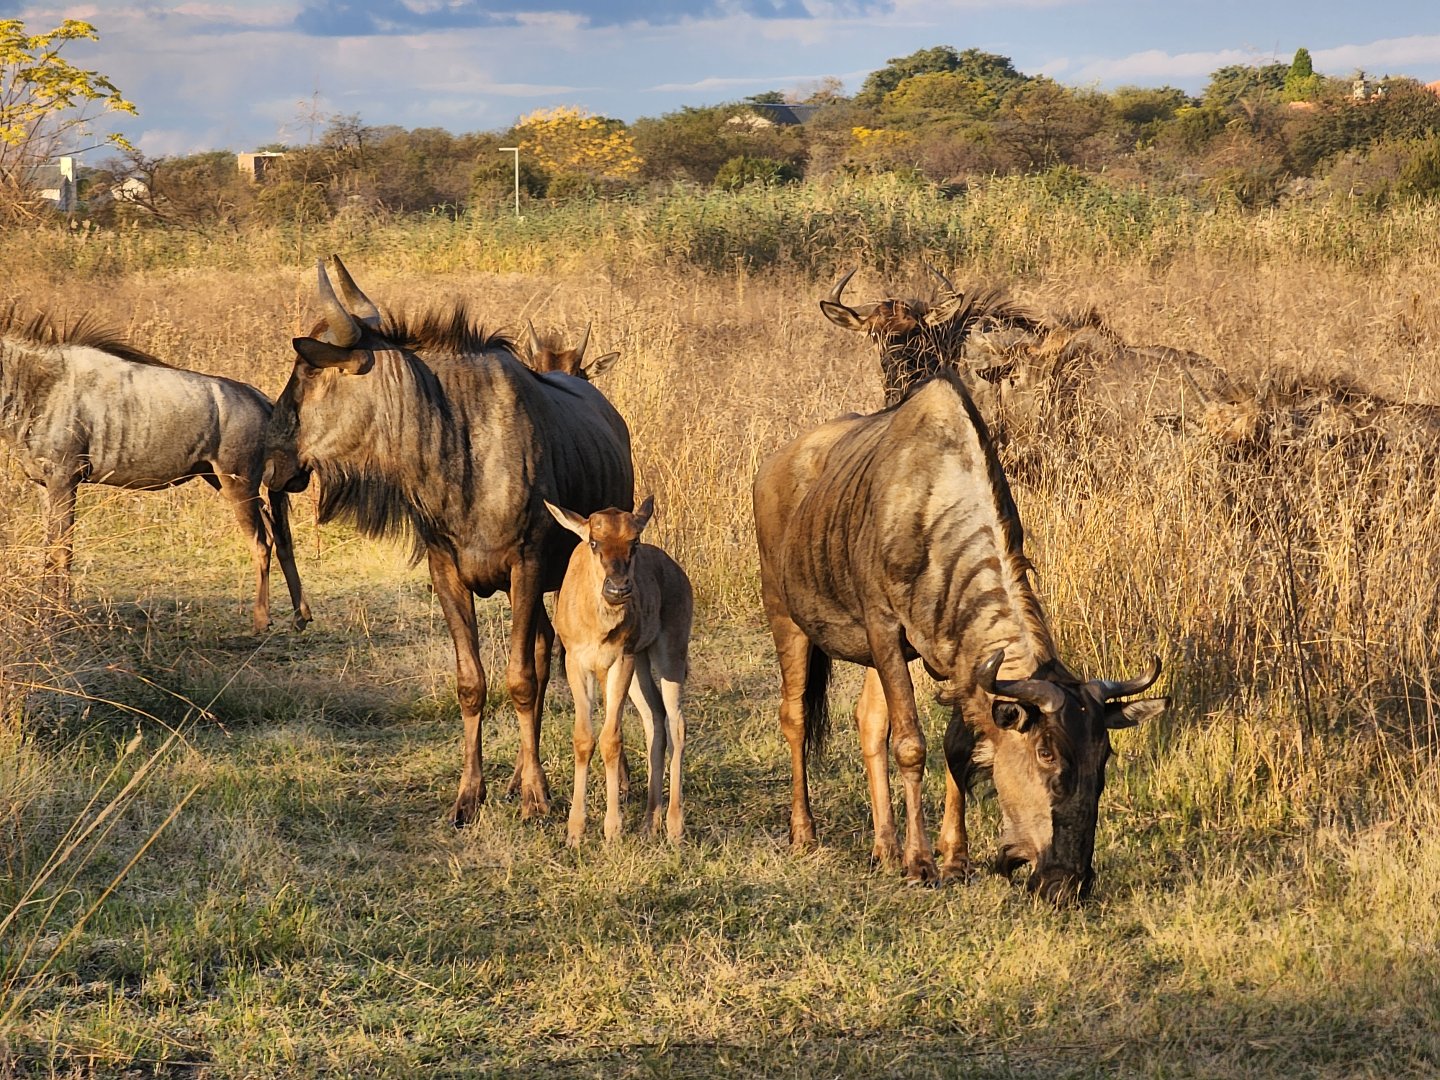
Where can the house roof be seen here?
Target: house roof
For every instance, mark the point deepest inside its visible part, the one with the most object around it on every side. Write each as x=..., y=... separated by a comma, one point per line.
x=784, y=113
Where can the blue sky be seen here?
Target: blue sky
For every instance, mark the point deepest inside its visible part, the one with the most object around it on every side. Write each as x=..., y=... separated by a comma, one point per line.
x=235, y=74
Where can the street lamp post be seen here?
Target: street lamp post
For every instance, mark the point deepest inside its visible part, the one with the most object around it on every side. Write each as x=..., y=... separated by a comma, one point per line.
x=516, y=151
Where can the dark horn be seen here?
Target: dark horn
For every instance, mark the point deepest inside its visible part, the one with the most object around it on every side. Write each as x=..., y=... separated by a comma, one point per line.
x=1045, y=696
x=839, y=288
x=585, y=340
x=361, y=305
x=1111, y=690
x=943, y=279
x=341, y=327
x=535, y=347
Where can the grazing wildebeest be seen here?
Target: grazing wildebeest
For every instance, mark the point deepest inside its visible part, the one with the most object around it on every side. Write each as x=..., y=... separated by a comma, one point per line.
x=81, y=406
x=548, y=354
x=435, y=428
x=1032, y=376
x=624, y=610
x=893, y=536
x=918, y=338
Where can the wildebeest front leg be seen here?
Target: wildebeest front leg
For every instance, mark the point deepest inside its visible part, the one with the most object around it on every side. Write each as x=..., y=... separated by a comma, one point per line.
x=458, y=605
x=793, y=649
x=244, y=498
x=544, y=652
x=520, y=678
x=285, y=551
x=873, y=720
x=907, y=744
x=59, y=534
x=954, y=840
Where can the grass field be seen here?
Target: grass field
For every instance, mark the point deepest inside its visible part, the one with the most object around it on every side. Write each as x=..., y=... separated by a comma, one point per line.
x=1268, y=854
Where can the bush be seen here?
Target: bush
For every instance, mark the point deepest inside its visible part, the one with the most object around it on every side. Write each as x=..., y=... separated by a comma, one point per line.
x=742, y=171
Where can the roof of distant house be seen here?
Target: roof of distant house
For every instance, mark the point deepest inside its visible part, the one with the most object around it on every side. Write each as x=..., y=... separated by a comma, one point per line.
x=784, y=113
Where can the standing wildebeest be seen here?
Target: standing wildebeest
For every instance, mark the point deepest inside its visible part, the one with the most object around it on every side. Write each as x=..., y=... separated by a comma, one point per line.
x=548, y=354
x=624, y=615
x=81, y=406
x=436, y=428
x=893, y=536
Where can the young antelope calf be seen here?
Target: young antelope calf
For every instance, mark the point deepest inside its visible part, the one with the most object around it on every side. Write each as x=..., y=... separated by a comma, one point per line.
x=624, y=616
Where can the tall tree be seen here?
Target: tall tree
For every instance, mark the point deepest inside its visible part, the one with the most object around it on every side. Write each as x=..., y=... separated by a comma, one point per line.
x=46, y=106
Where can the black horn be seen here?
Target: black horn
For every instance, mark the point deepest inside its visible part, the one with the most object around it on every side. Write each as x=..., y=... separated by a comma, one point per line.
x=341, y=327
x=361, y=305
x=1047, y=697
x=943, y=280
x=535, y=347
x=839, y=288
x=1109, y=691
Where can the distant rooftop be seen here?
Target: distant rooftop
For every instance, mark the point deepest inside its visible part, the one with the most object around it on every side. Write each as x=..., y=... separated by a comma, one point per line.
x=784, y=114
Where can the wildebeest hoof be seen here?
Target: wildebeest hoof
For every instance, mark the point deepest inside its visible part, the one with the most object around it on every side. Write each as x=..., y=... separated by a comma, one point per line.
x=956, y=870
x=922, y=872
x=467, y=805
x=533, y=804
x=300, y=620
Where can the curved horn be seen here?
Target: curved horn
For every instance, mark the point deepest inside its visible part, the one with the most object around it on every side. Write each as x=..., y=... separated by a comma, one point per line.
x=1046, y=696
x=839, y=288
x=585, y=340
x=1111, y=690
x=363, y=307
x=943, y=279
x=535, y=347
x=341, y=327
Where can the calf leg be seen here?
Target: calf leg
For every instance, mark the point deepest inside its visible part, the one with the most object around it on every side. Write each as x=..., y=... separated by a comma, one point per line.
x=672, y=681
x=650, y=705
x=617, y=686
x=582, y=688
x=873, y=720
x=245, y=500
x=458, y=605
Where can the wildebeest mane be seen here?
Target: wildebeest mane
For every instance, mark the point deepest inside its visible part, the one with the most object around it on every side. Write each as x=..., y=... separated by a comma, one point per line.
x=449, y=330
x=377, y=508
x=43, y=328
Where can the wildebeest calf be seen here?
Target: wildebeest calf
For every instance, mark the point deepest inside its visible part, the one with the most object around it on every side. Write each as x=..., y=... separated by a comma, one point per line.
x=624, y=615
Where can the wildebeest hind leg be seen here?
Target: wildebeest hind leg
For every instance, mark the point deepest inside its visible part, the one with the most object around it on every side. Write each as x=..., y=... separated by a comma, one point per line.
x=873, y=720
x=59, y=536
x=244, y=498
x=545, y=653
x=458, y=605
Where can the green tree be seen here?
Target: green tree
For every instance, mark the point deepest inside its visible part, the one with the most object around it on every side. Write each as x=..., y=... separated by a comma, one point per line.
x=896, y=70
x=1045, y=124
x=1234, y=83
x=46, y=104
x=1301, y=82
x=936, y=97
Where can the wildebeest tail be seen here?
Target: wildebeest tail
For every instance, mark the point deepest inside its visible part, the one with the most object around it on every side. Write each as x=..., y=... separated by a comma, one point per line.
x=816, y=700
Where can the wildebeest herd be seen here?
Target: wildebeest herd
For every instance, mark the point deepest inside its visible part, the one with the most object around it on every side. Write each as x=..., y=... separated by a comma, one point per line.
x=883, y=538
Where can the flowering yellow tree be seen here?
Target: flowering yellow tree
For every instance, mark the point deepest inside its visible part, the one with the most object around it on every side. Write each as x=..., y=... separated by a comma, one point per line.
x=572, y=141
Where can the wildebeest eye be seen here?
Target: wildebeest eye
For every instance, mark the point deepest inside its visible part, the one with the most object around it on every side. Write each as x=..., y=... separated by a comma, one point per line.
x=594, y=545
x=1045, y=754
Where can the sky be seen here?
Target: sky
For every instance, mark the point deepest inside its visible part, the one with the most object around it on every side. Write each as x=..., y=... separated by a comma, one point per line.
x=238, y=74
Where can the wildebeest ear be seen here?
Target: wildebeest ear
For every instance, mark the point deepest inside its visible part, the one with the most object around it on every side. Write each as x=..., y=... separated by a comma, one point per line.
x=600, y=364
x=574, y=522
x=321, y=354
x=1130, y=713
x=643, y=515
x=841, y=315
x=1008, y=714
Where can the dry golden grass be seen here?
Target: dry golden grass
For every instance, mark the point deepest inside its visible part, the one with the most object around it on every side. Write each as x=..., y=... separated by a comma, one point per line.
x=1269, y=869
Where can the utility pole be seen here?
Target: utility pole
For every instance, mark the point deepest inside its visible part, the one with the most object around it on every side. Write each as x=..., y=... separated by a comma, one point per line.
x=516, y=151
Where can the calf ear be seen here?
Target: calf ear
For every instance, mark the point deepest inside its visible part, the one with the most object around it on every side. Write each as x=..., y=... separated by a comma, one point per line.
x=1130, y=713
x=321, y=354
x=643, y=515
x=569, y=520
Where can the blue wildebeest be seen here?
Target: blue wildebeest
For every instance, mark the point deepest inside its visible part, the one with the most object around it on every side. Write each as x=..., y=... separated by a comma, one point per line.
x=431, y=426
x=81, y=406
x=893, y=536
x=548, y=354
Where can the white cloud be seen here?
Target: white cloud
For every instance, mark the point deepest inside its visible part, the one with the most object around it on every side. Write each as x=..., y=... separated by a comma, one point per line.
x=1390, y=55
